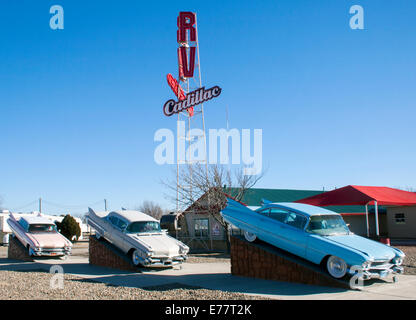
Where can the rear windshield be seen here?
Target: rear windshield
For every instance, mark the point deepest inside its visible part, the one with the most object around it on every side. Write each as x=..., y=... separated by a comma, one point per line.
x=143, y=226
x=42, y=228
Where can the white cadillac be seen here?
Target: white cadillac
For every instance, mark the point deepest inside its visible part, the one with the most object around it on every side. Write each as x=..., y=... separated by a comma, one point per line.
x=139, y=236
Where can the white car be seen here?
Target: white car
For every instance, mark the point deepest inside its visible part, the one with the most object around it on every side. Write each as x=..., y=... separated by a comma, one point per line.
x=139, y=236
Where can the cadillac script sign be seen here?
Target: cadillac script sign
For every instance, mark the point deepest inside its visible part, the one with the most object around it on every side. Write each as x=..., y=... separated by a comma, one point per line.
x=192, y=99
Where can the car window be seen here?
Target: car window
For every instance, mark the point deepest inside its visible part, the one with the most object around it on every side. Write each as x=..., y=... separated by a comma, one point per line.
x=41, y=227
x=122, y=224
x=144, y=226
x=296, y=220
x=23, y=223
x=326, y=225
x=278, y=214
x=264, y=212
x=113, y=220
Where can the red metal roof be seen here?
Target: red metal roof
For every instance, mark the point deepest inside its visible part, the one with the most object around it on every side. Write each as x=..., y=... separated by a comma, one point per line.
x=362, y=195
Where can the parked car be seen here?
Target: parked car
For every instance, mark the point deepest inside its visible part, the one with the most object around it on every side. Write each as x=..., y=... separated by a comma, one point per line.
x=317, y=235
x=139, y=236
x=39, y=235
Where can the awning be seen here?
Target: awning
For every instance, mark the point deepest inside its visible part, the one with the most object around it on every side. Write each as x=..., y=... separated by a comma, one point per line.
x=362, y=195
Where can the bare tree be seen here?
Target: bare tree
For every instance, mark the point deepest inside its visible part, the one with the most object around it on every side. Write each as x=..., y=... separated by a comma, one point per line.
x=152, y=209
x=409, y=189
x=205, y=189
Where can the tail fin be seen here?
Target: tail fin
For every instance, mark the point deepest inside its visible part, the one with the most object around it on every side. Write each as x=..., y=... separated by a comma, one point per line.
x=235, y=207
x=265, y=201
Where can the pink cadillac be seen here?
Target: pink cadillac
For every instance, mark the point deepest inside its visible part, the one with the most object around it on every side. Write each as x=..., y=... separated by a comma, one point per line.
x=39, y=235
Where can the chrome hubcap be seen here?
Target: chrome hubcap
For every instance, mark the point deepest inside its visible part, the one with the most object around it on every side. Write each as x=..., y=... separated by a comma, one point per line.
x=249, y=236
x=336, y=267
x=135, y=258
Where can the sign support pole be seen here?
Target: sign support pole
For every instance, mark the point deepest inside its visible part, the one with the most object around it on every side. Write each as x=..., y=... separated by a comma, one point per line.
x=377, y=226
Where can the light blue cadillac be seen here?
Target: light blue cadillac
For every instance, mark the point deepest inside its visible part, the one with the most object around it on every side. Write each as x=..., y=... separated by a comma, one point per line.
x=317, y=235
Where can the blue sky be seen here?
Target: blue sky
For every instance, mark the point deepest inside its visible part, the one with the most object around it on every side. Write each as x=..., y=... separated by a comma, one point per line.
x=79, y=106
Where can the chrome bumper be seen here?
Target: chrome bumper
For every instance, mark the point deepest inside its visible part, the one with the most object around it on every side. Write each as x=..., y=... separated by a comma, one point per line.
x=163, y=262
x=51, y=252
x=378, y=273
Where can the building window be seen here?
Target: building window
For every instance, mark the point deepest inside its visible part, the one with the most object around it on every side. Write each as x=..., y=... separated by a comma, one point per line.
x=399, y=218
x=201, y=228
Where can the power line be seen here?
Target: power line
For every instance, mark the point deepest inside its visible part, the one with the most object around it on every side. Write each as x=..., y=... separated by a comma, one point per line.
x=58, y=205
x=73, y=206
x=25, y=206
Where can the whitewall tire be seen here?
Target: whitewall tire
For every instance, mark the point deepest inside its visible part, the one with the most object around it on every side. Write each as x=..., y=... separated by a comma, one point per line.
x=250, y=237
x=336, y=267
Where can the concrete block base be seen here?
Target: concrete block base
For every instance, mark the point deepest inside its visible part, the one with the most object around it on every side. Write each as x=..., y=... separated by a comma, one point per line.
x=261, y=260
x=17, y=251
x=104, y=254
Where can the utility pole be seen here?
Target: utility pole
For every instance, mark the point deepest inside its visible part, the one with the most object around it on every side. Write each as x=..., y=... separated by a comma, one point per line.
x=105, y=204
x=40, y=205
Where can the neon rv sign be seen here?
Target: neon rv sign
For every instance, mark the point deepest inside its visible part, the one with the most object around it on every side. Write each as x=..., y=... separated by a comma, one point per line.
x=186, y=62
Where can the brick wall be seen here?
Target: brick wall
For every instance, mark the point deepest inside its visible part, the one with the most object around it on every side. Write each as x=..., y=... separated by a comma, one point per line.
x=104, y=254
x=260, y=260
x=17, y=251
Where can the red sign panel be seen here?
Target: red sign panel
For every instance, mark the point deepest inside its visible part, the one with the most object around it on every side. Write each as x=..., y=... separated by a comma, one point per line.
x=176, y=88
x=178, y=91
x=186, y=21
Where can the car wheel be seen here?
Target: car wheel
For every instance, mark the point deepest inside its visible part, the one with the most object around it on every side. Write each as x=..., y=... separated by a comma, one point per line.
x=336, y=267
x=250, y=237
x=135, y=257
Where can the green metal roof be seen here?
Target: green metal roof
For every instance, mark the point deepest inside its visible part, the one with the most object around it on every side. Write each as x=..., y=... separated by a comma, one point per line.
x=254, y=196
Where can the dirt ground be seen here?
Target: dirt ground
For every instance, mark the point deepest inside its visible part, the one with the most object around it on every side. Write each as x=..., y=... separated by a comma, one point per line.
x=410, y=260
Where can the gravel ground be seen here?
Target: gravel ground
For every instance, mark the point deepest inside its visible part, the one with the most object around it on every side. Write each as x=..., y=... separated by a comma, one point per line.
x=36, y=286
x=409, y=262
x=208, y=258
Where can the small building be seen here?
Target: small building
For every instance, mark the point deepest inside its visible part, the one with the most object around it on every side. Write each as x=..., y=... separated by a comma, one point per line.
x=401, y=222
x=196, y=228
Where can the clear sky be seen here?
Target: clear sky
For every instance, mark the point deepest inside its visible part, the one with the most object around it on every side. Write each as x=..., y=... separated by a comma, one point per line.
x=79, y=106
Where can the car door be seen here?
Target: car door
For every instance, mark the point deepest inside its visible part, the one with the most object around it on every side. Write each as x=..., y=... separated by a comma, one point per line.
x=114, y=233
x=261, y=222
x=294, y=235
x=274, y=227
x=121, y=235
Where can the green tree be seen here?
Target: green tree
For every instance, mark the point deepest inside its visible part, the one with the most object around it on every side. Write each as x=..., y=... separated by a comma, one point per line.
x=69, y=227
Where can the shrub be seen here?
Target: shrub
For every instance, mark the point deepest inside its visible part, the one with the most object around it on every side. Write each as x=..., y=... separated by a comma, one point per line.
x=69, y=227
